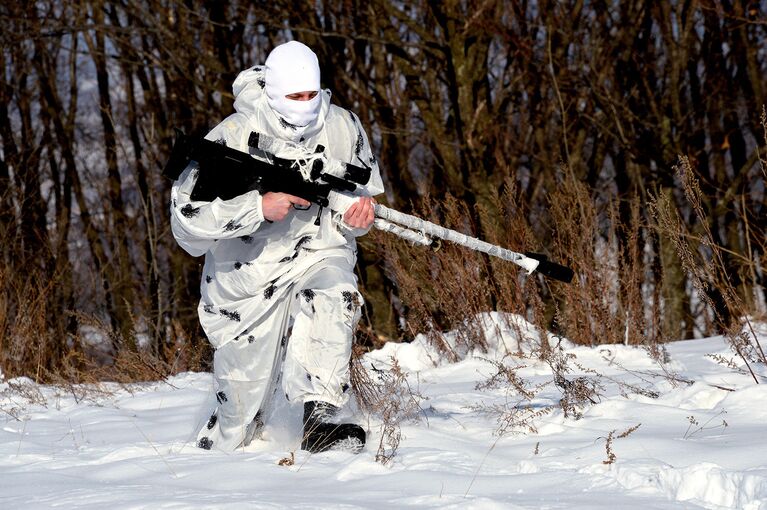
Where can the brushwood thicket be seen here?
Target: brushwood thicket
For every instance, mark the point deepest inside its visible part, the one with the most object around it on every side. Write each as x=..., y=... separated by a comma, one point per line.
x=627, y=140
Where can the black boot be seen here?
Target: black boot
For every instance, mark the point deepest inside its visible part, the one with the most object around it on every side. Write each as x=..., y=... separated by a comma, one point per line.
x=321, y=434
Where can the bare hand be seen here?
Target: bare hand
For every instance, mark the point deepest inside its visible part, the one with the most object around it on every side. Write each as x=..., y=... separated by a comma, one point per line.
x=276, y=206
x=361, y=213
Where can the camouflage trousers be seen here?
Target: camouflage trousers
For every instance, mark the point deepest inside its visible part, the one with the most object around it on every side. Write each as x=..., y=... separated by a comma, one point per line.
x=300, y=350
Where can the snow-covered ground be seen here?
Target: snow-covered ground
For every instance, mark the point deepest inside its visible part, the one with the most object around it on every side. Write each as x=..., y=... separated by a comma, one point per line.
x=701, y=443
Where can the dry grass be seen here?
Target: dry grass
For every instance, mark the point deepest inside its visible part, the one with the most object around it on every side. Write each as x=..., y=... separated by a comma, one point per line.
x=448, y=288
x=609, y=301
x=386, y=394
x=32, y=343
x=37, y=345
x=517, y=414
x=611, y=437
x=703, y=261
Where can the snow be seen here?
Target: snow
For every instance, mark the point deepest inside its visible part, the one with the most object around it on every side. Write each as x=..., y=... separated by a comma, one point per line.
x=699, y=444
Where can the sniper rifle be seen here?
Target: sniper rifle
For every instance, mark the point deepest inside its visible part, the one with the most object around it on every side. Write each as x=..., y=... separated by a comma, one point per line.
x=225, y=173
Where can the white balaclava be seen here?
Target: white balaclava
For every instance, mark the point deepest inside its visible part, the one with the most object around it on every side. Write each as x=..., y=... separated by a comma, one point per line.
x=293, y=67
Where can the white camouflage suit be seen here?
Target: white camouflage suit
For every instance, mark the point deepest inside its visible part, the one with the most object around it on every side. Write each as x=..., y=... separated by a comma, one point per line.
x=266, y=283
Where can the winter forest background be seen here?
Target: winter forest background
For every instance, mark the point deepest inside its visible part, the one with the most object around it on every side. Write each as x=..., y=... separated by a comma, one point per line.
x=625, y=139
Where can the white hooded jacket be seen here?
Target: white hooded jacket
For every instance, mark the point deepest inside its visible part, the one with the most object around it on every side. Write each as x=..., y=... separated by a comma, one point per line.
x=249, y=262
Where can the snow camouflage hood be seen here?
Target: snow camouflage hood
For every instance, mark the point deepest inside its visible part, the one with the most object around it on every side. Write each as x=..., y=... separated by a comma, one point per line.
x=291, y=68
x=250, y=96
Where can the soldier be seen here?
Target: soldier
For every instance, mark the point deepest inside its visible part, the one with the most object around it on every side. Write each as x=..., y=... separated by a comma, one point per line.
x=279, y=295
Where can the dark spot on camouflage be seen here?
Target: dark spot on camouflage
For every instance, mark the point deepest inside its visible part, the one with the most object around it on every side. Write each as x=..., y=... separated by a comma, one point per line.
x=287, y=125
x=232, y=316
x=189, y=211
x=205, y=443
x=287, y=397
x=261, y=82
x=208, y=279
x=221, y=397
x=344, y=387
x=308, y=294
x=208, y=308
x=221, y=141
x=269, y=292
x=237, y=265
x=174, y=203
x=372, y=159
x=358, y=145
x=251, y=339
x=283, y=341
x=247, y=239
x=232, y=226
x=287, y=259
x=301, y=242
x=308, y=377
x=350, y=299
x=212, y=421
